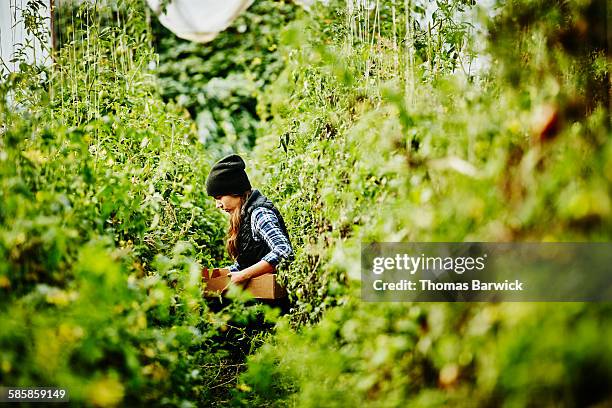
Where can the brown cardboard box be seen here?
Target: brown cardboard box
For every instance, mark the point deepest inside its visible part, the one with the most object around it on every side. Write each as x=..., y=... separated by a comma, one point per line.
x=262, y=287
x=217, y=281
x=265, y=287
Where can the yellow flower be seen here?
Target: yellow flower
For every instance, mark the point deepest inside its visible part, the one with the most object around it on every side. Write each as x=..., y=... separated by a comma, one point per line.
x=4, y=282
x=243, y=387
x=106, y=392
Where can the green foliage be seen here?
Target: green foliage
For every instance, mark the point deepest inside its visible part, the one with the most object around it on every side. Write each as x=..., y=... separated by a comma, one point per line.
x=363, y=144
x=353, y=155
x=571, y=41
x=108, y=158
x=218, y=82
x=430, y=355
x=104, y=225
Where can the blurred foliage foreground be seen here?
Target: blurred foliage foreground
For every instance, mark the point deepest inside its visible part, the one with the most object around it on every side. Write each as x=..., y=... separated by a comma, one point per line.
x=392, y=126
x=387, y=123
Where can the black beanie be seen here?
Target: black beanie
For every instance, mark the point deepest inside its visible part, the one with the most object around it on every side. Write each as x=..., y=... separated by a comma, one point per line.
x=227, y=176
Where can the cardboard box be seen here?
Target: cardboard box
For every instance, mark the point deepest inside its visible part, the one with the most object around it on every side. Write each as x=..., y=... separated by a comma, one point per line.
x=264, y=286
x=216, y=281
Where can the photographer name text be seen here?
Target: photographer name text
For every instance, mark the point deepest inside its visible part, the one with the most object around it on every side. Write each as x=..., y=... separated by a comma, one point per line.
x=429, y=285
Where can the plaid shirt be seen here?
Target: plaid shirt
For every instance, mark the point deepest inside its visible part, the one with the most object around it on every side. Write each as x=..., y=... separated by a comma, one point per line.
x=265, y=225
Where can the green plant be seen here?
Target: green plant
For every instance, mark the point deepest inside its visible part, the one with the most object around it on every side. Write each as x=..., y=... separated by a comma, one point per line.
x=402, y=151
x=104, y=226
x=218, y=82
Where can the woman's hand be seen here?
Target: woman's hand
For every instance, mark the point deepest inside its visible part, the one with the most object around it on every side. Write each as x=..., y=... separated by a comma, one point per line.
x=252, y=271
x=238, y=277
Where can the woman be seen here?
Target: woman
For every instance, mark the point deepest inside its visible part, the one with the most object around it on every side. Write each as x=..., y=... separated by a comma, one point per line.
x=257, y=239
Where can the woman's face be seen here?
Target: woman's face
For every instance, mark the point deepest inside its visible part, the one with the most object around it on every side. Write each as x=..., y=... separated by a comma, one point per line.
x=227, y=203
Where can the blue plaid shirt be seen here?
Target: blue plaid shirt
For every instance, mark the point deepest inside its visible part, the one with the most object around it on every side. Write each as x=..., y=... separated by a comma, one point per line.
x=265, y=225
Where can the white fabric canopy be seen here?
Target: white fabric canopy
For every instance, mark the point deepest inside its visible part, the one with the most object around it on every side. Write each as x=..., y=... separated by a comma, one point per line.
x=199, y=20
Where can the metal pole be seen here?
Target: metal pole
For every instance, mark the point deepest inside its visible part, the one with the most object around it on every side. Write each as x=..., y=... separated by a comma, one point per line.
x=53, y=39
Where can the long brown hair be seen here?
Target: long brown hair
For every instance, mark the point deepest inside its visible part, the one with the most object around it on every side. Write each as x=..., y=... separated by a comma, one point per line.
x=234, y=227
